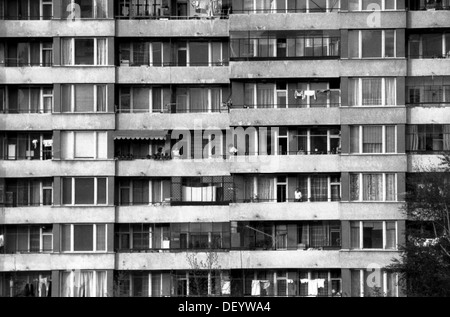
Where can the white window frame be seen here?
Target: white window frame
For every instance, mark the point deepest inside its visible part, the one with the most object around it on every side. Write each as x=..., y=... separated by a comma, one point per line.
x=383, y=92
x=94, y=105
x=71, y=135
x=383, y=6
x=95, y=192
x=384, y=281
x=384, y=248
x=94, y=238
x=384, y=140
x=383, y=45
x=95, y=39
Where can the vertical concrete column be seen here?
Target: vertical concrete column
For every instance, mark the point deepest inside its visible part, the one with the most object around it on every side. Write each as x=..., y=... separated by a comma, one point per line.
x=345, y=186
x=401, y=88
x=401, y=43
x=110, y=277
x=344, y=44
x=345, y=235
x=111, y=185
x=57, y=98
x=237, y=89
x=401, y=186
x=401, y=233
x=401, y=138
x=346, y=280
x=56, y=238
x=345, y=139
x=111, y=100
x=111, y=51
x=56, y=145
x=55, y=281
x=110, y=237
x=57, y=191
x=344, y=91
x=57, y=51
x=110, y=145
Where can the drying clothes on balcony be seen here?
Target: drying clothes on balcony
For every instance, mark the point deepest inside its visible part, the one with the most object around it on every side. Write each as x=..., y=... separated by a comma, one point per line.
x=47, y=143
x=226, y=287
x=305, y=93
x=265, y=284
x=290, y=281
x=2, y=241
x=313, y=285
x=256, y=288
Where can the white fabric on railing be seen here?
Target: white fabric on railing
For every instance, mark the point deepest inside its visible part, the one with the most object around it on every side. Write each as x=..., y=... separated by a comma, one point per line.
x=199, y=193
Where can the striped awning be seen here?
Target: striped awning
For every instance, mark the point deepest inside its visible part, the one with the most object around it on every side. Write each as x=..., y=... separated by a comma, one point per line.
x=141, y=135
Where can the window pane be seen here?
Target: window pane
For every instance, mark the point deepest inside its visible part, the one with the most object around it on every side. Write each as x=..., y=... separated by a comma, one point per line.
x=391, y=92
x=84, y=51
x=101, y=191
x=373, y=235
x=371, y=43
x=355, y=235
x=354, y=187
x=354, y=139
x=353, y=92
x=372, y=187
x=101, y=98
x=390, y=235
x=83, y=238
x=389, y=42
x=84, y=145
x=356, y=283
x=66, y=98
x=371, y=88
x=84, y=191
x=141, y=99
x=84, y=98
x=390, y=187
x=198, y=53
x=372, y=139
x=101, y=237
x=390, y=139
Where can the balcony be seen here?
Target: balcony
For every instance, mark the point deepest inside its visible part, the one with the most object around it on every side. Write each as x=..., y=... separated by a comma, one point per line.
x=285, y=69
x=373, y=163
x=173, y=167
x=373, y=115
x=417, y=162
x=164, y=213
x=173, y=28
x=56, y=262
x=271, y=211
x=327, y=114
x=429, y=18
x=173, y=75
x=373, y=67
x=429, y=67
x=371, y=211
x=360, y=20
x=83, y=27
x=285, y=164
x=427, y=114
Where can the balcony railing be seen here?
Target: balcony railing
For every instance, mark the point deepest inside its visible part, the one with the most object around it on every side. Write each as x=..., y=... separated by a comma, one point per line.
x=21, y=17
x=256, y=199
x=176, y=108
x=329, y=104
x=288, y=10
x=17, y=62
x=126, y=63
x=25, y=111
x=422, y=5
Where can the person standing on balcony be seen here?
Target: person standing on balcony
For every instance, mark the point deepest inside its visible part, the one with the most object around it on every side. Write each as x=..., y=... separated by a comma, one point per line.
x=298, y=195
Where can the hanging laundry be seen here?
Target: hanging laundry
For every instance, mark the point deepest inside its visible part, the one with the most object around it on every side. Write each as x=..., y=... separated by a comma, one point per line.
x=48, y=143
x=226, y=287
x=266, y=284
x=304, y=281
x=312, y=288
x=320, y=283
x=2, y=241
x=299, y=94
x=289, y=281
x=310, y=93
x=256, y=288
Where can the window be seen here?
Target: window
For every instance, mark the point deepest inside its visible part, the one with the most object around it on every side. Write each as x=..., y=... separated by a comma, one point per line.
x=26, y=146
x=26, y=10
x=373, y=139
x=143, y=192
x=372, y=92
x=83, y=98
x=373, y=187
x=285, y=6
x=372, y=43
x=27, y=239
x=429, y=45
x=33, y=193
x=428, y=138
x=428, y=91
x=84, y=191
x=84, y=9
x=144, y=99
x=84, y=51
x=143, y=237
x=367, y=5
x=83, y=284
x=20, y=54
x=83, y=238
x=84, y=145
x=374, y=283
x=26, y=99
x=373, y=234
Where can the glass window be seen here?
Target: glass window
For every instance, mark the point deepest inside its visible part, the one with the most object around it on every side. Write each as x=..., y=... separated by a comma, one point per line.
x=198, y=52
x=84, y=51
x=83, y=238
x=373, y=235
x=84, y=191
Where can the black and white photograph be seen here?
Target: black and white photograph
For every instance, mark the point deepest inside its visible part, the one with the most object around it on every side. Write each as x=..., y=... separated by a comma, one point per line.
x=225, y=155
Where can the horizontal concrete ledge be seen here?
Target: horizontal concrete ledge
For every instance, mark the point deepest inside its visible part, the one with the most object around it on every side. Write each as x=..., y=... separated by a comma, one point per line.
x=206, y=167
x=55, y=121
x=373, y=163
x=285, y=211
x=56, y=214
x=363, y=259
x=422, y=162
x=173, y=75
x=166, y=121
x=371, y=211
x=172, y=214
x=429, y=115
x=364, y=20
x=172, y=28
x=428, y=19
x=30, y=168
x=284, y=117
x=429, y=67
x=55, y=262
x=58, y=74
x=373, y=115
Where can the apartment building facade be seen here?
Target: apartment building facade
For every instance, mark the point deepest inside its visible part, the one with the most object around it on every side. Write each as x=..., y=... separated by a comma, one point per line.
x=157, y=148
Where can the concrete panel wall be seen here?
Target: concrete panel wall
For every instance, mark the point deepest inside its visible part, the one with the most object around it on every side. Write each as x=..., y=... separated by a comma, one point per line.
x=428, y=67
x=359, y=259
x=428, y=19
x=373, y=115
x=429, y=115
x=371, y=211
x=373, y=163
x=50, y=75
x=363, y=20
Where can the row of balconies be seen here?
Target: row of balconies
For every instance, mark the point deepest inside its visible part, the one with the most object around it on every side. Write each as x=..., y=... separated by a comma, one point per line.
x=164, y=213
x=222, y=75
x=220, y=27
x=177, y=261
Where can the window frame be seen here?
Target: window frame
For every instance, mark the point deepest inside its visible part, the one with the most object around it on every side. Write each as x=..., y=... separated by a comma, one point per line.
x=73, y=192
x=384, y=234
x=384, y=144
x=73, y=100
x=72, y=281
x=71, y=135
x=95, y=57
x=383, y=6
x=384, y=189
x=360, y=102
x=383, y=44
x=94, y=238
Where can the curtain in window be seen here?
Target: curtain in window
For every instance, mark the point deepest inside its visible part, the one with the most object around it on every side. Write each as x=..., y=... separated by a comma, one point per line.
x=353, y=92
x=390, y=187
x=66, y=284
x=101, y=284
x=354, y=187
x=446, y=131
x=102, y=53
x=391, y=99
x=372, y=139
x=371, y=91
x=413, y=138
x=35, y=192
x=101, y=98
x=198, y=99
x=372, y=187
x=86, y=284
x=67, y=51
x=215, y=99
x=84, y=98
x=102, y=9
x=390, y=139
x=35, y=99
x=266, y=189
x=101, y=237
x=319, y=188
x=182, y=100
x=318, y=237
x=265, y=93
x=354, y=139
